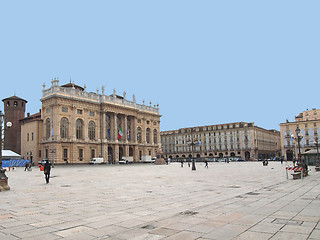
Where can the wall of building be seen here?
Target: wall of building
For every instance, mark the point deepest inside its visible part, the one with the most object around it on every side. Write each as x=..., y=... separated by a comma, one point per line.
x=242, y=140
x=14, y=109
x=309, y=130
x=30, y=139
x=108, y=115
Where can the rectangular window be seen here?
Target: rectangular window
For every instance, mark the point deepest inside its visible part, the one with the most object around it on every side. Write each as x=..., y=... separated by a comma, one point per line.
x=93, y=153
x=48, y=110
x=65, y=154
x=47, y=153
x=80, y=154
x=32, y=136
x=306, y=125
x=15, y=103
x=79, y=111
x=64, y=109
x=39, y=153
x=91, y=114
x=28, y=137
x=315, y=124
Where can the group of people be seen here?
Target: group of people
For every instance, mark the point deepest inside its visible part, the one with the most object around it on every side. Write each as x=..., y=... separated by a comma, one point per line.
x=205, y=162
x=46, y=169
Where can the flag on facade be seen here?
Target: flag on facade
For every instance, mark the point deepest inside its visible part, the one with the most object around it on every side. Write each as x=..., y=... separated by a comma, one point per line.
x=120, y=133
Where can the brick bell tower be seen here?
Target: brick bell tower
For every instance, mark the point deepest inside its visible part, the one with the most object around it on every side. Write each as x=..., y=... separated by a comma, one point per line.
x=14, y=110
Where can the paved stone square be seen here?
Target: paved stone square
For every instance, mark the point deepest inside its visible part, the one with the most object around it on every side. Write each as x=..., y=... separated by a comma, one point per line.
x=239, y=200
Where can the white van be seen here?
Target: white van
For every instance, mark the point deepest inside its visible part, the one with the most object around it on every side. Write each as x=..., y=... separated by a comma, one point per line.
x=97, y=161
x=126, y=160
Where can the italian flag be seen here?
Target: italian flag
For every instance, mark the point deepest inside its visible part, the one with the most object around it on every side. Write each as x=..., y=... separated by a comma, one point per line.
x=120, y=133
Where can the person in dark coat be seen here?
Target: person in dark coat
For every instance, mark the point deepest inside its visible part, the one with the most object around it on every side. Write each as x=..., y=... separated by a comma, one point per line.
x=46, y=170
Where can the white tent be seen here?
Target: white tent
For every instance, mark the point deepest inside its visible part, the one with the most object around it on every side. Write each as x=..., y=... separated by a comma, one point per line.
x=8, y=154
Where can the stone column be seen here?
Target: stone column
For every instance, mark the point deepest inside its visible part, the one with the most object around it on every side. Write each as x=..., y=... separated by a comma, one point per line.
x=115, y=128
x=116, y=153
x=126, y=151
x=136, y=154
x=134, y=130
x=144, y=132
x=72, y=124
x=85, y=125
x=125, y=129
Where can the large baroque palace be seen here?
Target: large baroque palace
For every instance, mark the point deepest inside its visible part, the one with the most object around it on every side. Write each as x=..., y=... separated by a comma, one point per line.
x=75, y=126
x=235, y=140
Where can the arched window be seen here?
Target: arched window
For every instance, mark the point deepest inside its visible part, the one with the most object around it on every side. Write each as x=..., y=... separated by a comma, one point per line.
x=155, y=136
x=108, y=126
x=139, y=135
x=92, y=130
x=79, y=128
x=129, y=129
x=148, y=135
x=48, y=128
x=64, y=128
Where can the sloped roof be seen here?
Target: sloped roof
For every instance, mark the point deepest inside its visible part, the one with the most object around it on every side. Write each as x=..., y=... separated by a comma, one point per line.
x=9, y=153
x=34, y=117
x=70, y=85
x=14, y=98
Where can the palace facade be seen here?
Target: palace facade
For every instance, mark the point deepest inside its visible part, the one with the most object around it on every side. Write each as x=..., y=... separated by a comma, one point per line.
x=77, y=126
x=234, y=140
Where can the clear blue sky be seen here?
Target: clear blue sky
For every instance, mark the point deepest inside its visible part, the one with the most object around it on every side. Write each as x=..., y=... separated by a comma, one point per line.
x=203, y=62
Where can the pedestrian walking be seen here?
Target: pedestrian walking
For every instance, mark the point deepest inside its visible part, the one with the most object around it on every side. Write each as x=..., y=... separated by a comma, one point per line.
x=181, y=163
x=26, y=166
x=46, y=170
x=206, y=162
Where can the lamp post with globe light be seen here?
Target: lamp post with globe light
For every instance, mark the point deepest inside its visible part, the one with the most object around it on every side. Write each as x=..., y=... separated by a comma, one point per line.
x=298, y=138
x=316, y=142
x=193, y=142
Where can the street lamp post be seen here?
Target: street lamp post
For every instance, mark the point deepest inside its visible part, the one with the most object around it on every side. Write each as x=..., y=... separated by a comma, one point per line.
x=192, y=143
x=299, y=137
x=3, y=178
x=316, y=142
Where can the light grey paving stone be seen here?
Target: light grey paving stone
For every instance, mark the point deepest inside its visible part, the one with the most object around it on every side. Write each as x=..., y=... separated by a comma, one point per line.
x=289, y=236
x=106, y=231
x=34, y=232
x=266, y=228
x=184, y=235
x=228, y=231
x=305, y=227
x=131, y=234
x=315, y=234
x=48, y=236
x=8, y=236
x=164, y=231
x=248, y=235
x=73, y=231
x=114, y=200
